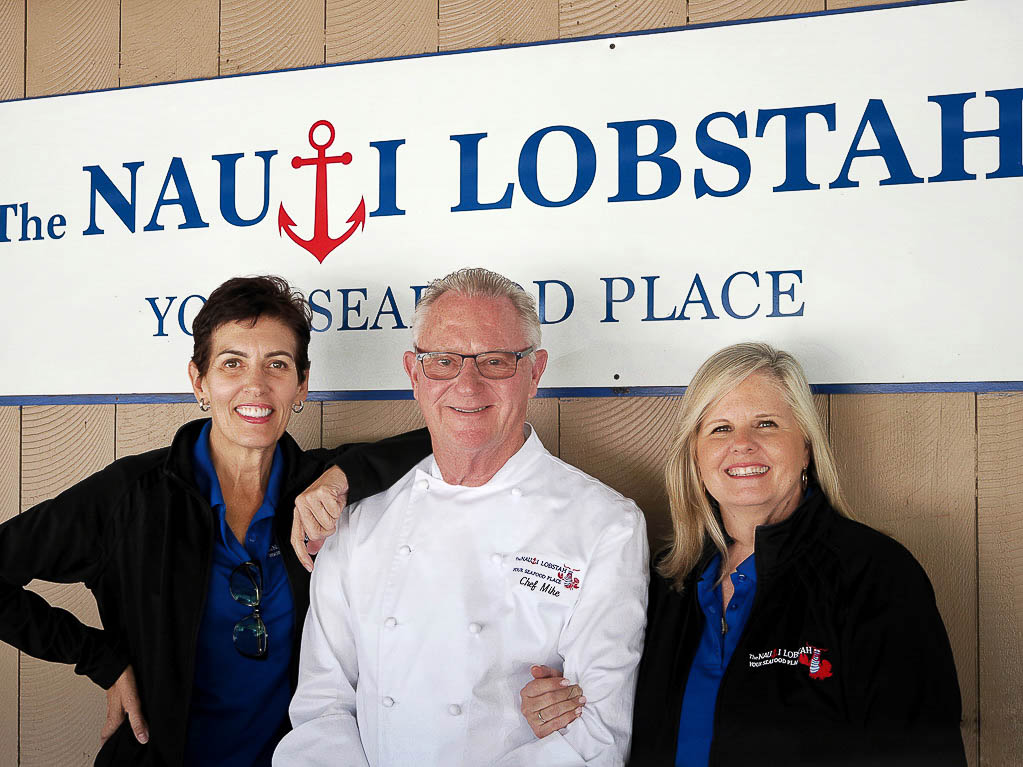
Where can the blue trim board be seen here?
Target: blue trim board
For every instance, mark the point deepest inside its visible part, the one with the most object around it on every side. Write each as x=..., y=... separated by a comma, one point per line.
x=972, y=387
x=589, y=38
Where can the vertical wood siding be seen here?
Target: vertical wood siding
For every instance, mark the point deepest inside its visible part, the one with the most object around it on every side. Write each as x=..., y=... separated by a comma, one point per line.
x=10, y=484
x=482, y=23
x=261, y=35
x=622, y=442
x=307, y=426
x=162, y=41
x=578, y=18
x=378, y=29
x=146, y=427
x=937, y=471
x=908, y=463
x=838, y=4
x=12, y=50
x=1000, y=551
x=70, y=46
x=61, y=713
x=709, y=11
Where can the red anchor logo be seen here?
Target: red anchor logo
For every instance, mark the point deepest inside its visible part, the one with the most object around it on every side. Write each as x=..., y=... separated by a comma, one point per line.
x=321, y=243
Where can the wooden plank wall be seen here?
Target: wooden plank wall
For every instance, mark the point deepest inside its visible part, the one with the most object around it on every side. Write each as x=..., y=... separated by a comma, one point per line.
x=937, y=471
x=10, y=490
x=1000, y=575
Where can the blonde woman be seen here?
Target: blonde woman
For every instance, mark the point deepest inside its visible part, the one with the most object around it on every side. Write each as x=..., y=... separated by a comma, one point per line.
x=780, y=631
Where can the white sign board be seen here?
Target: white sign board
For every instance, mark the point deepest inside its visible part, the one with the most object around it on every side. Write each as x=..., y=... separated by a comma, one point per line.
x=844, y=185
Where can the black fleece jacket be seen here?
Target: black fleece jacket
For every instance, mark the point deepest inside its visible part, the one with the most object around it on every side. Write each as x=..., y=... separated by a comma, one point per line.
x=140, y=535
x=882, y=691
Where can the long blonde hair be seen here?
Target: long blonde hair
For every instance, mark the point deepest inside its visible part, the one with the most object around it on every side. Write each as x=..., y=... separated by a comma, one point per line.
x=693, y=519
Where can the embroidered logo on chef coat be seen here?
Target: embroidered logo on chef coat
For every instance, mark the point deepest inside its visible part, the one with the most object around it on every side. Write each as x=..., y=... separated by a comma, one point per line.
x=807, y=655
x=546, y=575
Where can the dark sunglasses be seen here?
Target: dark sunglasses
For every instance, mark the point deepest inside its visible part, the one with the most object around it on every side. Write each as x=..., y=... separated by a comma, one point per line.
x=250, y=635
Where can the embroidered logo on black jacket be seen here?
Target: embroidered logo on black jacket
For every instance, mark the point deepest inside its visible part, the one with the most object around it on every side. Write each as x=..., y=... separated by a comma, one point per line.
x=807, y=655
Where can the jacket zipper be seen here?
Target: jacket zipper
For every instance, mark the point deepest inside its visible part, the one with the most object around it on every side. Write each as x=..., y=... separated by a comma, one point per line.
x=296, y=633
x=292, y=567
x=190, y=677
x=296, y=630
x=731, y=663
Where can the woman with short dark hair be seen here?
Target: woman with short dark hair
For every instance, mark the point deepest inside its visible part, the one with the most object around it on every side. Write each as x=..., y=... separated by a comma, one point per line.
x=186, y=549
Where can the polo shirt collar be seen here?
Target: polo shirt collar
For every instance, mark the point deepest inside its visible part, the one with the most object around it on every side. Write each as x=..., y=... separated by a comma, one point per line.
x=209, y=485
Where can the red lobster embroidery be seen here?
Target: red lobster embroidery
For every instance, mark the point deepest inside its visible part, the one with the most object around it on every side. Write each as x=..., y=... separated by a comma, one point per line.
x=819, y=668
x=568, y=580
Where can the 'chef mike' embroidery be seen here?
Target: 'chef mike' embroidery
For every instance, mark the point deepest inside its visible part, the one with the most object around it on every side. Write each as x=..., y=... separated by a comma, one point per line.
x=546, y=575
x=807, y=655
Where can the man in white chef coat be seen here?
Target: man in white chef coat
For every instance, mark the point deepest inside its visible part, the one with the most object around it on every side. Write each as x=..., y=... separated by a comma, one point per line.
x=434, y=599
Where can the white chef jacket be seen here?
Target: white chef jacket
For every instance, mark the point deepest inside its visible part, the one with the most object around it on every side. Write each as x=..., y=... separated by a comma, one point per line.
x=433, y=600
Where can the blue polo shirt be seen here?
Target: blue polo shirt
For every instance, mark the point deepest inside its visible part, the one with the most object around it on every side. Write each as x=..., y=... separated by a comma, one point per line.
x=712, y=656
x=239, y=703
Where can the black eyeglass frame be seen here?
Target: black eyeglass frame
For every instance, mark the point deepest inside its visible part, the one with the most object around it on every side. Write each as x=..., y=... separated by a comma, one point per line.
x=421, y=356
x=253, y=570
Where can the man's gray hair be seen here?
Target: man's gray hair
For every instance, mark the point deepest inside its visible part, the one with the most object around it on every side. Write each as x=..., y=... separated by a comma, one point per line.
x=477, y=282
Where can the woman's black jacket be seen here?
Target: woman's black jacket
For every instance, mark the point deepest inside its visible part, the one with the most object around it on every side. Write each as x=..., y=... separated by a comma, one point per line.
x=140, y=535
x=882, y=691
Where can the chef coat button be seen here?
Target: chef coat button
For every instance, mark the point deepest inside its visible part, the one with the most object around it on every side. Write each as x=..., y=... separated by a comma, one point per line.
x=454, y=709
x=516, y=492
x=388, y=701
x=406, y=550
x=496, y=559
x=423, y=484
x=475, y=628
x=391, y=622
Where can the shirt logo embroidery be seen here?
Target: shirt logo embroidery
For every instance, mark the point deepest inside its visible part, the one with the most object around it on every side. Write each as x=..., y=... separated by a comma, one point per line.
x=567, y=577
x=819, y=668
x=547, y=577
x=807, y=655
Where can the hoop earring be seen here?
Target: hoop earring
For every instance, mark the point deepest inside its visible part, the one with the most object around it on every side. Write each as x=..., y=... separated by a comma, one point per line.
x=805, y=478
x=204, y=406
x=298, y=407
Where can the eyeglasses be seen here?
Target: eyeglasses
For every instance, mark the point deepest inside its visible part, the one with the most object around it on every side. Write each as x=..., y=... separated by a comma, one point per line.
x=443, y=366
x=250, y=635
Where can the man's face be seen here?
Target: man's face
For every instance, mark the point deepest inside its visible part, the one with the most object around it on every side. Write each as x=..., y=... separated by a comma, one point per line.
x=471, y=413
